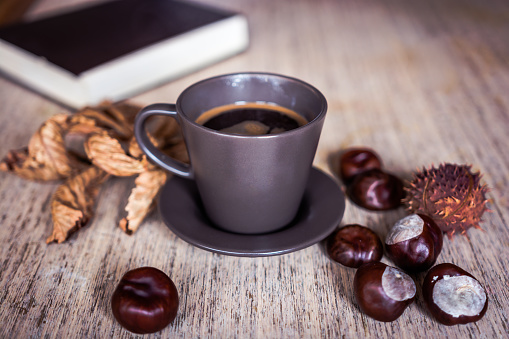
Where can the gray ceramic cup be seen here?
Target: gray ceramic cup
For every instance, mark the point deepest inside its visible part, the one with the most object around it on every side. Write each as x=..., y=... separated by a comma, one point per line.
x=248, y=184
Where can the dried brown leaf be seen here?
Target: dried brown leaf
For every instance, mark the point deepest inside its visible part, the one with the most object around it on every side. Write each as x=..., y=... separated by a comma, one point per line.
x=46, y=157
x=81, y=119
x=95, y=134
x=73, y=202
x=104, y=121
x=165, y=135
x=117, y=118
x=135, y=150
x=178, y=151
x=141, y=201
x=162, y=132
x=14, y=160
x=107, y=153
x=148, y=184
x=126, y=109
x=167, y=132
x=77, y=134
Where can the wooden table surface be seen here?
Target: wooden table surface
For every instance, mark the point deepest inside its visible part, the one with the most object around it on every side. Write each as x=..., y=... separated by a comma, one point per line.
x=421, y=82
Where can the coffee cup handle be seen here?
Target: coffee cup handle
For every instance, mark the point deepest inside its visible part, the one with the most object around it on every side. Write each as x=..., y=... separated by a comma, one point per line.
x=162, y=160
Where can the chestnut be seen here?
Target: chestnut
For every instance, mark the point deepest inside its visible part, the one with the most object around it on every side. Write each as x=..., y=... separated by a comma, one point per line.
x=454, y=296
x=354, y=245
x=357, y=160
x=383, y=292
x=376, y=190
x=145, y=300
x=414, y=243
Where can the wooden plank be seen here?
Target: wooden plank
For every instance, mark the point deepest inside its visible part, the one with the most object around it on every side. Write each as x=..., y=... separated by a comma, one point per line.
x=420, y=82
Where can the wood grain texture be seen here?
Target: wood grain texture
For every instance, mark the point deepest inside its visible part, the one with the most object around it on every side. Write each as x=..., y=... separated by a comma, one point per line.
x=421, y=82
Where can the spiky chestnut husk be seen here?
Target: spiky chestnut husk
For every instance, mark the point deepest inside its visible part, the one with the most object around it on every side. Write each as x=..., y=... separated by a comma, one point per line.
x=451, y=194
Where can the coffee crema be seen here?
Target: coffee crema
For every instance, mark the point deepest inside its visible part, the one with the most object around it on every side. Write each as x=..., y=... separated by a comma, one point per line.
x=251, y=118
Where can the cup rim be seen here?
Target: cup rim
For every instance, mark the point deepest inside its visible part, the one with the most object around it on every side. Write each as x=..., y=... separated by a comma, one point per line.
x=320, y=116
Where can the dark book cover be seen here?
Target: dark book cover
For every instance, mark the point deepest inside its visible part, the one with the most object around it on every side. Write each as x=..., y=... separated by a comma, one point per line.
x=80, y=40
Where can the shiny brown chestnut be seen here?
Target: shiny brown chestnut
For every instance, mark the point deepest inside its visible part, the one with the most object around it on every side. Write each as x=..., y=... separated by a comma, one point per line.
x=357, y=160
x=376, y=190
x=414, y=243
x=383, y=292
x=454, y=296
x=145, y=300
x=354, y=245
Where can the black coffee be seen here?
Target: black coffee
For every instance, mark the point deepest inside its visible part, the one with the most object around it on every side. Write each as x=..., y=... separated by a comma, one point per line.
x=251, y=119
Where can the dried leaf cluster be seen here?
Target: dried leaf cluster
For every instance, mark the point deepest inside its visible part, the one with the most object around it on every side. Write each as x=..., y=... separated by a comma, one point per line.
x=86, y=148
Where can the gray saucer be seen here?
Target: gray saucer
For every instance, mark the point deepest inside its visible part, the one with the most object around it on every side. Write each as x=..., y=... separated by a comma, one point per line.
x=321, y=211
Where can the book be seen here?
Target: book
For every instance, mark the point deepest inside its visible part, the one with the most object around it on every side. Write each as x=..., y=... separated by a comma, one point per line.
x=117, y=49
